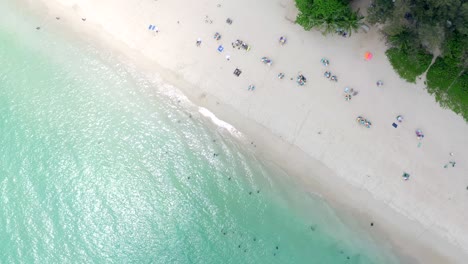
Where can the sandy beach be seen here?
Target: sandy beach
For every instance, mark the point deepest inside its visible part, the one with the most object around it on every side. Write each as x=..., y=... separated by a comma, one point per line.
x=309, y=131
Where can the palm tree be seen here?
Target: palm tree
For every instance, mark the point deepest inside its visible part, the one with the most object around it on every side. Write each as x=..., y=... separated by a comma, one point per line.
x=350, y=23
x=404, y=41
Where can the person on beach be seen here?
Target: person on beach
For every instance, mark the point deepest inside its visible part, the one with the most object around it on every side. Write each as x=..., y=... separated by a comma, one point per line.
x=453, y=163
x=198, y=43
x=405, y=176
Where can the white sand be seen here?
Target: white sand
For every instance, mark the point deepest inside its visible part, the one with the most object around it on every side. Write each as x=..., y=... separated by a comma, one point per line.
x=309, y=131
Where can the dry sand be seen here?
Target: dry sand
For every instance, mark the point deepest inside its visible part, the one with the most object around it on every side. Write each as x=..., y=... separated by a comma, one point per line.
x=309, y=131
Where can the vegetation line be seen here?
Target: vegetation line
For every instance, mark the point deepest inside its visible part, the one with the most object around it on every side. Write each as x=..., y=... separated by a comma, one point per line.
x=425, y=37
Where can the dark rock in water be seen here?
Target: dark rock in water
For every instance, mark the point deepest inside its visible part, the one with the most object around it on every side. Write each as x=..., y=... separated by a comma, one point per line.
x=250, y=193
x=239, y=245
x=258, y=191
x=277, y=247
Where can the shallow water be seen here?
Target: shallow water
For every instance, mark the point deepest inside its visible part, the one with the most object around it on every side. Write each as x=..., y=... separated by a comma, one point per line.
x=99, y=165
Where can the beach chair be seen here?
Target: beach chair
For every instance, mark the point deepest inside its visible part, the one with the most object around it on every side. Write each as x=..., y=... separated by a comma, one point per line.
x=237, y=72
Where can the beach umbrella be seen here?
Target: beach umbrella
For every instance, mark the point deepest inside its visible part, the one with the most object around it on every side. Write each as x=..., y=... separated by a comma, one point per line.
x=368, y=55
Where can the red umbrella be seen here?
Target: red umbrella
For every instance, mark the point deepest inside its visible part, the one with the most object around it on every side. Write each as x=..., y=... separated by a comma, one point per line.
x=368, y=55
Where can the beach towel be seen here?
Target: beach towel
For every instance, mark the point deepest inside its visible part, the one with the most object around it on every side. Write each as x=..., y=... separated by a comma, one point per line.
x=220, y=48
x=394, y=125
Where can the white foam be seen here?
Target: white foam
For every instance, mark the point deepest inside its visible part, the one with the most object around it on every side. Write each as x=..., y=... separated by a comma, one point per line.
x=173, y=93
x=220, y=123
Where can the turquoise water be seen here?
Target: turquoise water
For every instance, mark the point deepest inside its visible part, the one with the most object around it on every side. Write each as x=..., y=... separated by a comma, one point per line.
x=97, y=166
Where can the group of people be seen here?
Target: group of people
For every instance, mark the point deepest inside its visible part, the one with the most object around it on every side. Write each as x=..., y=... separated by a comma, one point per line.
x=329, y=75
x=240, y=44
x=364, y=122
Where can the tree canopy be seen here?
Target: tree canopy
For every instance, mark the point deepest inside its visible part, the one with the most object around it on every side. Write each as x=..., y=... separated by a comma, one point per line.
x=429, y=23
x=329, y=16
x=437, y=27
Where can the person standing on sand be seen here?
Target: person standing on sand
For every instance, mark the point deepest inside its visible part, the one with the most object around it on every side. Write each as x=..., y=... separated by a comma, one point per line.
x=198, y=42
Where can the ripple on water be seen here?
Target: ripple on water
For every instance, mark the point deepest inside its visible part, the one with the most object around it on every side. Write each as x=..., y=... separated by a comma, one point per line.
x=98, y=165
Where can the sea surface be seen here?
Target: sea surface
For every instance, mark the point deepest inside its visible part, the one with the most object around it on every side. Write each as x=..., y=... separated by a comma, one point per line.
x=101, y=164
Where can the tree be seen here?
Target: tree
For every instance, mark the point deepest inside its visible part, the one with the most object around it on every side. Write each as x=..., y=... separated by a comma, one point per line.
x=432, y=21
x=351, y=23
x=440, y=27
x=460, y=22
x=404, y=41
x=380, y=11
x=329, y=16
x=455, y=49
x=431, y=38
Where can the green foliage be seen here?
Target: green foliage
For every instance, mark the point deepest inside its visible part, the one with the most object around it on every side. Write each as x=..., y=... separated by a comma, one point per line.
x=458, y=96
x=379, y=11
x=455, y=48
x=409, y=65
x=404, y=41
x=460, y=22
x=449, y=83
x=441, y=75
x=439, y=27
x=431, y=21
x=329, y=16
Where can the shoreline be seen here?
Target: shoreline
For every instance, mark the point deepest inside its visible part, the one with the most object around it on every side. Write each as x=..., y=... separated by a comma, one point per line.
x=292, y=159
